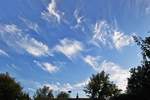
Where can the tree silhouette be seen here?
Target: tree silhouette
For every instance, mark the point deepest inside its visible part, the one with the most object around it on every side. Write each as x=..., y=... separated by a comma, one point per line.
x=126, y=97
x=43, y=94
x=10, y=89
x=145, y=47
x=139, y=82
x=100, y=87
x=62, y=96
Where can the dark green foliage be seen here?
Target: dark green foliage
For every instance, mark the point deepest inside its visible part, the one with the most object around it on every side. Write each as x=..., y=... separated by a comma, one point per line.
x=62, y=96
x=145, y=47
x=139, y=82
x=10, y=89
x=100, y=87
x=44, y=94
x=127, y=97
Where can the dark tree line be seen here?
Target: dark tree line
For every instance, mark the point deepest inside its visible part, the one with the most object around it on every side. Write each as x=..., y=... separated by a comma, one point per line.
x=12, y=90
x=99, y=86
x=45, y=93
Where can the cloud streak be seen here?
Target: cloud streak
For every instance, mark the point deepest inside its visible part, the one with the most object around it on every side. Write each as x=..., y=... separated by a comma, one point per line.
x=52, y=13
x=106, y=34
x=67, y=86
x=46, y=66
x=31, y=25
x=15, y=37
x=34, y=47
x=120, y=40
x=2, y=52
x=70, y=48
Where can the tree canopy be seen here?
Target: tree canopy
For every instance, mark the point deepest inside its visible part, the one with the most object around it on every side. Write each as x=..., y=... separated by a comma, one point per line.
x=139, y=82
x=10, y=89
x=100, y=87
x=145, y=47
x=44, y=93
x=62, y=96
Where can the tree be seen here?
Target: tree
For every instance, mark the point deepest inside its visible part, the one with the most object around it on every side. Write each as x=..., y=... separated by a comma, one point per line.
x=139, y=81
x=62, y=96
x=126, y=97
x=145, y=47
x=10, y=89
x=100, y=87
x=44, y=93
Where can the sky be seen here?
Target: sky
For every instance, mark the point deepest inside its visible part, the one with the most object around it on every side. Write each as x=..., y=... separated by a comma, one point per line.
x=61, y=43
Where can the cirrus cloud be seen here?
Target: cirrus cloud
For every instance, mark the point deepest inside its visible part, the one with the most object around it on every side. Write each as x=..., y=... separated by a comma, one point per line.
x=70, y=48
x=120, y=40
x=106, y=34
x=52, y=13
x=2, y=52
x=46, y=66
x=15, y=37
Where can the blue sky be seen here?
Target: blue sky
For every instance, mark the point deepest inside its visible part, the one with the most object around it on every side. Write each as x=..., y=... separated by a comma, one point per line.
x=61, y=43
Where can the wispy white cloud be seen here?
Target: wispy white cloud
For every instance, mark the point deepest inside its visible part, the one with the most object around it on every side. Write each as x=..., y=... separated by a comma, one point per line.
x=2, y=52
x=60, y=87
x=46, y=66
x=120, y=39
x=79, y=20
x=10, y=34
x=31, y=25
x=14, y=67
x=106, y=34
x=52, y=12
x=70, y=48
x=92, y=61
x=117, y=73
x=102, y=32
x=82, y=84
x=81, y=24
x=34, y=47
x=12, y=28
x=67, y=86
x=15, y=37
x=57, y=86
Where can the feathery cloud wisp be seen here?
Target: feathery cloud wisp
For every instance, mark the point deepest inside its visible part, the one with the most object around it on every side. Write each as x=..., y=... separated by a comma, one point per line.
x=70, y=48
x=92, y=61
x=102, y=33
x=47, y=66
x=15, y=37
x=34, y=47
x=52, y=13
x=67, y=86
x=2, y=52
x=120, y=40
x=31, y=25
x=79, y=19
x=105, y=34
